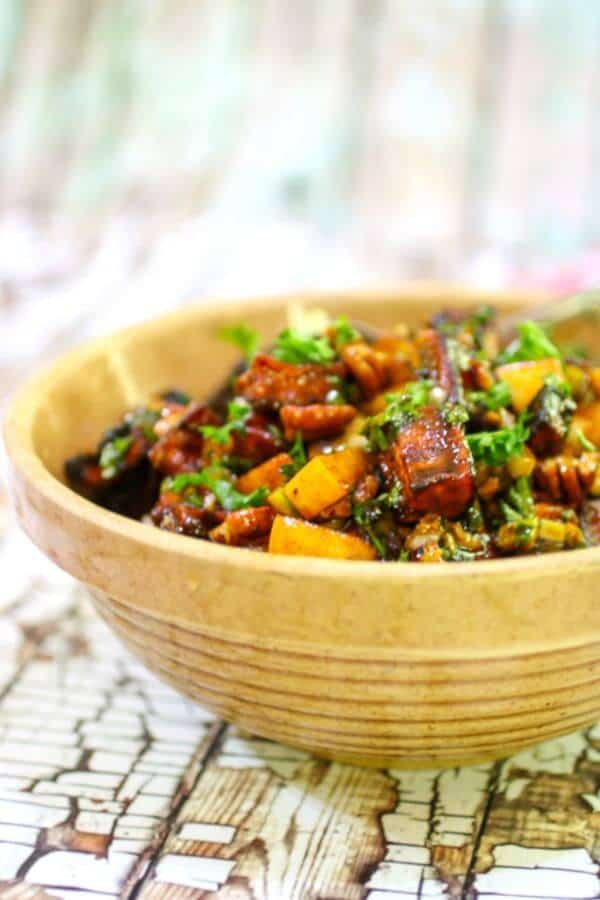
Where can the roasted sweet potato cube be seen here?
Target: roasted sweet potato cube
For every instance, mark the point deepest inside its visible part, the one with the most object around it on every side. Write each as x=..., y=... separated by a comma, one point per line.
x=526, y=379
x=294, y=537
x=588, y=419
x=325, y=480
x=432, y=461
x=268, y=474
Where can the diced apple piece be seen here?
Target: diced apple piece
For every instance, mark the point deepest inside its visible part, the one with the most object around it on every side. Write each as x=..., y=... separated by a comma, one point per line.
x=268, y=474
x=293, y=537
x=325, y=479
x=526, y=379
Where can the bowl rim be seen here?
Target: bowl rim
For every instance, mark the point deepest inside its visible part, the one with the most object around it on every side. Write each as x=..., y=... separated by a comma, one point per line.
x=25, y=459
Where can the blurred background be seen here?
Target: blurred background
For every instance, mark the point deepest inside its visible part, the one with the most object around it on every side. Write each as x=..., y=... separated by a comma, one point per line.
x=159, y=151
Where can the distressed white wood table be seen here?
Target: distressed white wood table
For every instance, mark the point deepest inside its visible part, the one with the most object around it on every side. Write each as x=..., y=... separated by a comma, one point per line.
x=111, y=785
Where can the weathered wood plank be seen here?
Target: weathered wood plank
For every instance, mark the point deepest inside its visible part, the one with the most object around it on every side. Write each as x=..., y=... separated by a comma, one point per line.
x=268, y=821
x=265, y=821
x=95, y=755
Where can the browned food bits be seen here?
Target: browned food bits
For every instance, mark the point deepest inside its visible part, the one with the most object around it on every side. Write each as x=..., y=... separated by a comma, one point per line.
x=315, y=421
x=270, y=384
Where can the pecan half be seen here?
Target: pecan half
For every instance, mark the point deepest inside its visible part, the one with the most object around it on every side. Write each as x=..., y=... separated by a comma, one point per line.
x=315, y=421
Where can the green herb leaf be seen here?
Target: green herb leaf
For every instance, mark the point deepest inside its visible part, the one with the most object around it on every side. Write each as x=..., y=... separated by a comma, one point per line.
x=367, y=514
x=293, y=347
x=298, y=454
x=576, y=352
x=237, y=414
x=496, y=447
x=401, y=408
x=455, y=414
x=345, y=333
x=243, y=337
x=497, y=397
x=519, y=501
x=532, y=343
x=227, y=495
x=113, y=455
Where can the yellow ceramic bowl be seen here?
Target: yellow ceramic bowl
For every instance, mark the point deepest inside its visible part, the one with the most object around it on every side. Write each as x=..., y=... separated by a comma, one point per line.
x=381, y=664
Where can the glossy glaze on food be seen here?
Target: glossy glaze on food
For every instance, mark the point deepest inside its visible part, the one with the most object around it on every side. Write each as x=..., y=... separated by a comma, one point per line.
x=429, y=445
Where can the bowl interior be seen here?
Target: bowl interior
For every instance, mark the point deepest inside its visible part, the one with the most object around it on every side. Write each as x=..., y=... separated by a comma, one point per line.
x=92, y=387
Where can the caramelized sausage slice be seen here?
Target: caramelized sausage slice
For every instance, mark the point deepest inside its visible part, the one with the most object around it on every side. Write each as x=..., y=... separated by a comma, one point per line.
x=433, y=463
x=437, y=359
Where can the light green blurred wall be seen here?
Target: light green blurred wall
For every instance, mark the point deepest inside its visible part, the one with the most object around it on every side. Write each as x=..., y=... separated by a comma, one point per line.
x=444, y=123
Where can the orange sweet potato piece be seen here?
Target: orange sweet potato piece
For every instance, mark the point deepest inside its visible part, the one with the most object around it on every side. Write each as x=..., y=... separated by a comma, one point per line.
x=268, y=474
x=319, y=420
x=432, y=461
x=588, y=419
x=294, y=537
x=595, y=380
x=526, y=379
x=325, y=479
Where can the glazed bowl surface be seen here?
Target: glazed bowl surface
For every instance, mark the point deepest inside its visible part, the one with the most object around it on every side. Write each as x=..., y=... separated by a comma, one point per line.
x=387, y=664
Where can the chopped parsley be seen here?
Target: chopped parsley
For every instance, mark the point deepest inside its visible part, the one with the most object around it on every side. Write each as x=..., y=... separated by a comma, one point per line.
x=532, y=343
x=238, y=412
x=298, y=453
x=244, y=338
x=575, y=352
x=498, y=396
x=519, y=502
x=455, y=414
x=519, y=512
x=212, y=479
x=401, y=408
x=112, y=455
x=344, y=333
x=367, y=514
x=496, y=447
x=481, y=318
x=294, y=347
